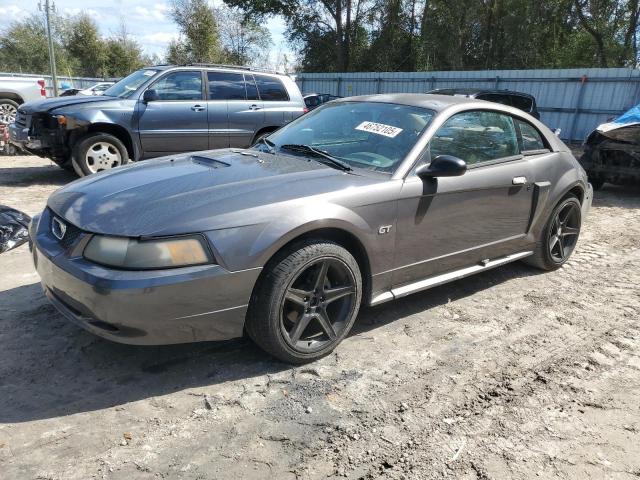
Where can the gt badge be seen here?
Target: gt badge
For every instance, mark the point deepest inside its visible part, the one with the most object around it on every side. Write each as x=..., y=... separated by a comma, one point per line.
x=384, y=229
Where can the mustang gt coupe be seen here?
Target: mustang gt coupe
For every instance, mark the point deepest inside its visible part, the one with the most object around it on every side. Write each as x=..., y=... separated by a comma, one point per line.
x=364, y=200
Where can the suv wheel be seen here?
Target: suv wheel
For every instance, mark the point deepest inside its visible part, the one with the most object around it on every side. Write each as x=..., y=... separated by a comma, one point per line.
x=96, y=152
x=8, y=111
x=306, y=301
x=559, y=237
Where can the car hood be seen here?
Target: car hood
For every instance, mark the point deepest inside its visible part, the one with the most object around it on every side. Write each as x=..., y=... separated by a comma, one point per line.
x=195, y=192
x=58, y=102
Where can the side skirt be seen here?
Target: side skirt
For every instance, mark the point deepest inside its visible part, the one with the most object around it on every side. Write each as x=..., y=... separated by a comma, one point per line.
x=430, y=282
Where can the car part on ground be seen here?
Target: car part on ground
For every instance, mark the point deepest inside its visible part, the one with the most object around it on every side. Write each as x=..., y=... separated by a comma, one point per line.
x=157, y=111
x=14, y=228
x=6, y=147
x=14, y=91
x=519, y=100
x=363, y=200
x=612, y=151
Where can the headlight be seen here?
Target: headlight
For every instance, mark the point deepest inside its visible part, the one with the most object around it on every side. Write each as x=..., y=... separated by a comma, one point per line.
x=133, y=254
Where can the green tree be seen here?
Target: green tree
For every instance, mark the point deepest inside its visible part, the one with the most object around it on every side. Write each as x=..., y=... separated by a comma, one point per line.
x=200, y=40
x=244, y=41
x=86, y=49
x=123, y=54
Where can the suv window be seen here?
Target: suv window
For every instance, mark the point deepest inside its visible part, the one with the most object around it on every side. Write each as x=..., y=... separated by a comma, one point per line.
x=226, y=86
x=180, y=86
x=531, y=137
x=522, y=102
x=271, y=89
x=476, y=136
x=252, y=90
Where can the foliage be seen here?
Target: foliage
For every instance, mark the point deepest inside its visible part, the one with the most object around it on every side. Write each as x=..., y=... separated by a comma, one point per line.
x=79, y=48
x=348, y=35
x=200, y=42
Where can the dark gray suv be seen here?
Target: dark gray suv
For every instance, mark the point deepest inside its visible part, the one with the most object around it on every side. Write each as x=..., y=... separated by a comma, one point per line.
x=157, y=111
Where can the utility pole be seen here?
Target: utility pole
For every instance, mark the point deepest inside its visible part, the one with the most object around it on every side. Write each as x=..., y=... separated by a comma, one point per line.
x=52, y=56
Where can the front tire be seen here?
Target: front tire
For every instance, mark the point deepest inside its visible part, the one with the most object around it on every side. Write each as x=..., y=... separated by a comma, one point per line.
x=305, y=302
x=96, y=152
x=559, y=236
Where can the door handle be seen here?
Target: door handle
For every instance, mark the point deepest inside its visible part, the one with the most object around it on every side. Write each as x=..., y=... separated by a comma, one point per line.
x=254, y=107
x=197, y=108
x=519, y=180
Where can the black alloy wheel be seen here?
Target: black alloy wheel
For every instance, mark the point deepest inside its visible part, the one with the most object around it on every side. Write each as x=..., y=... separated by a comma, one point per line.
x=317, y=305
x=564, y=232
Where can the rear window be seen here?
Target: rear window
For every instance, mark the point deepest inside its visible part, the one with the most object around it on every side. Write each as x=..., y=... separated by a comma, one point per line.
x=523, y=103
x=271, y=89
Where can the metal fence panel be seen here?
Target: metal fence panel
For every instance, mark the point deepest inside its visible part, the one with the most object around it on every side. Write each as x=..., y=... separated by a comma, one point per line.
x=574, y=100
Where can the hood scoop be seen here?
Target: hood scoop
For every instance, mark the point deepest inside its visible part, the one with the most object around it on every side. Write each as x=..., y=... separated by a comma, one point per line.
x=208, y=161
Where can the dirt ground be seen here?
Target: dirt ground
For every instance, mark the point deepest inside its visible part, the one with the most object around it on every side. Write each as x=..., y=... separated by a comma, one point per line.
x=509, y=374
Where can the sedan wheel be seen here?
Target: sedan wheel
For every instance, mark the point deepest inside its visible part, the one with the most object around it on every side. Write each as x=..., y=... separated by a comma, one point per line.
x=559, y=237
x=316, y=307
x=305, y=302
x=564, y=231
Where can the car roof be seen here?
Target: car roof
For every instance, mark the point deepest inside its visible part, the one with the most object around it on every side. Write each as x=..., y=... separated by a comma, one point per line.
x=219, y=67
x=437, y=103
x=477, y=91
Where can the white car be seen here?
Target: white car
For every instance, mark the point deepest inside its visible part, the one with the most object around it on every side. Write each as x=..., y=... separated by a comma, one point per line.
x=97, y=89
x=14, y=91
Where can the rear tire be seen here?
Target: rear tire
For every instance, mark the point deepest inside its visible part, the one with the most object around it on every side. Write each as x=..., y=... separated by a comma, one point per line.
x=260, y=135
x=559, y=236
x=96, y=152
x=305, y=302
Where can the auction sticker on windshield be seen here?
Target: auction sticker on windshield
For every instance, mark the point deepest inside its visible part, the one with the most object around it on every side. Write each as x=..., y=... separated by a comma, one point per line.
x=379, y=129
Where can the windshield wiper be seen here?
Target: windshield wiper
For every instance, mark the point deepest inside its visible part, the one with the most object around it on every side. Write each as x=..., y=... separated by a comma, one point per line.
x=270, y=145
x=328, y=159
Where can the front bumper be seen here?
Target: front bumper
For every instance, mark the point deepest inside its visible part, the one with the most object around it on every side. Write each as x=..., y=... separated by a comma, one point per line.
x=158, y=307
x=20, y=136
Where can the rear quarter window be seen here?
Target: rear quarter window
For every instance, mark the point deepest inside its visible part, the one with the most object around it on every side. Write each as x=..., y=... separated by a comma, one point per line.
x=531, y=138
x=271, y=89
x=523, y=103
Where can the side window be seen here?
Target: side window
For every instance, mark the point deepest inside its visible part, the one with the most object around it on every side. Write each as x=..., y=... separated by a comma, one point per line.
x=522, y=102
x=312, y=101
x=180, y=86
x=226, y=86
x=252, y=90
x=271, y=89
x=531, y=137
x=476, y=136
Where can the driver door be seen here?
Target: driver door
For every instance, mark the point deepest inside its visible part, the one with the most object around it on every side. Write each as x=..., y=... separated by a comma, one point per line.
x=452, y=222
x=177, y=121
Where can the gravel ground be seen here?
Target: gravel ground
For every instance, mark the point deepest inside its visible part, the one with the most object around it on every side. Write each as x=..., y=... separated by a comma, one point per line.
x=509, y=374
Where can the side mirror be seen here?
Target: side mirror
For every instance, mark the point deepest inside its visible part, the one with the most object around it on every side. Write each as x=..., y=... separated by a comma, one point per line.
x=442, y=166
x=150, y=96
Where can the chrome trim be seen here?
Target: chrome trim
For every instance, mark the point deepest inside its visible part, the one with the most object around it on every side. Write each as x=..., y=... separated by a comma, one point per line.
x=430, y=282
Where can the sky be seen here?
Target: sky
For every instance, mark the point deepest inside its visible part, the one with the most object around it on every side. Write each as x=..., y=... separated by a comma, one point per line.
x=146, y=20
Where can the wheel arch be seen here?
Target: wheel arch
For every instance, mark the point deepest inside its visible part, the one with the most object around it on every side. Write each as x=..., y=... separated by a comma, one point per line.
x=11, y=96
x=262, y=131
x=341, y=236
x=117, y=131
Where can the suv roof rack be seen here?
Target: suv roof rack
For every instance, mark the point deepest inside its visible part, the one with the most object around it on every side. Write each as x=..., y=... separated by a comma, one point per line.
x=235, y=67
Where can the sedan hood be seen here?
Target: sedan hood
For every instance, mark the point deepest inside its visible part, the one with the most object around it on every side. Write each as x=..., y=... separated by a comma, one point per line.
x=53, y=103
x=193, y=193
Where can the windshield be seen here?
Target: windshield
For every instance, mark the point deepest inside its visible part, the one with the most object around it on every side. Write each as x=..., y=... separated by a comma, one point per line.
x=125, y=87
x=370, y=135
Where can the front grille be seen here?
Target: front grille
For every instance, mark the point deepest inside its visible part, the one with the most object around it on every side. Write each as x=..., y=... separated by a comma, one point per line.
x=22, y=119
x=71, y=233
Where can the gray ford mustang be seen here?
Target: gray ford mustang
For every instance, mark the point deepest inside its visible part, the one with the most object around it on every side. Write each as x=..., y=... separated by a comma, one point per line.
x=364, y=200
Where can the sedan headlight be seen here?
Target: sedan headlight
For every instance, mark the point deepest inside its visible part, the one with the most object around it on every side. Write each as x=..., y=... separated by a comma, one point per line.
x=134, y=254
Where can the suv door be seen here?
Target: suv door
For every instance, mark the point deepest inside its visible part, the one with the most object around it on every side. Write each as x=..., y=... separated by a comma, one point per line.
x=177, y=120
x=277, y=107
x=235, y=112
x=451, y=222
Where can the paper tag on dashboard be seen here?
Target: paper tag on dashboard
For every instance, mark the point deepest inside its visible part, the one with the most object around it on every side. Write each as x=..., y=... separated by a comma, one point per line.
x=379, y=129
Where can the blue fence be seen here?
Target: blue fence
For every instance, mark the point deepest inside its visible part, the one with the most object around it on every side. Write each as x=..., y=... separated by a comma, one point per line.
x=574, y=100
